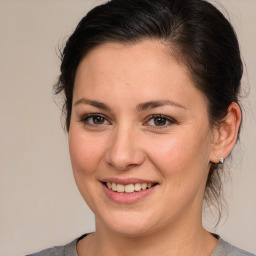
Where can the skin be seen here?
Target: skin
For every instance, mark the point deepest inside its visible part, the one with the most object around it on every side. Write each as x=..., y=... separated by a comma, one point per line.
x=127, y=143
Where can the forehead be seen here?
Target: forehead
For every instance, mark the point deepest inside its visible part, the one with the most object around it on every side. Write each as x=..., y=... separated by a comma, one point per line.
x=145, y=69
x=135, y=59
x=150, y=49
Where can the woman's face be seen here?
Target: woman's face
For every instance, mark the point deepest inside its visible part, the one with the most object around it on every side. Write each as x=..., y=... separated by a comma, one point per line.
x=139, y=126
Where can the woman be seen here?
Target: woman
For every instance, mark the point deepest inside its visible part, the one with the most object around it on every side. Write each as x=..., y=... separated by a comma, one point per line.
x=151, y=102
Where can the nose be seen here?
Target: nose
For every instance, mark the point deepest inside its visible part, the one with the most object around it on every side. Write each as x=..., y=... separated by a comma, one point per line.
x=125, y=150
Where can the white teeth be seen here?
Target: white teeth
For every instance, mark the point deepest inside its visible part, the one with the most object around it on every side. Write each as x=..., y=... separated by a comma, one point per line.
x=120, y=188
x=137, y=187
x=144, y=186
x=113, y=187
x=130, y=188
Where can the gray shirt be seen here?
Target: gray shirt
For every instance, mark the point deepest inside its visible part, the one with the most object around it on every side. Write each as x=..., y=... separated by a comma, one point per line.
x=223, y=248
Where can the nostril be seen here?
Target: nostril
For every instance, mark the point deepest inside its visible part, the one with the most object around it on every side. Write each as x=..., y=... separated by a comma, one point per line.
x=124, y=153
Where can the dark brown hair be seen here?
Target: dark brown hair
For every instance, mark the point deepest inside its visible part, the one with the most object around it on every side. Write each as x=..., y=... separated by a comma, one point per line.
x=198, y=35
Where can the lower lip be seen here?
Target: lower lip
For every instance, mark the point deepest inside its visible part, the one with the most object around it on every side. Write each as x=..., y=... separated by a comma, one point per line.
x=127, y=198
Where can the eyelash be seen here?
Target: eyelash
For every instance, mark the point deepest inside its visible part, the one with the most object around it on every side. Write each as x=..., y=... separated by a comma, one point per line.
x=153, y=118
x=164, y=117
x=86, y=119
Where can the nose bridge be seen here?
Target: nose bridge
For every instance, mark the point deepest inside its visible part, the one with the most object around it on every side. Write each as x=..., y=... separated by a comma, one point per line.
x=124, y=150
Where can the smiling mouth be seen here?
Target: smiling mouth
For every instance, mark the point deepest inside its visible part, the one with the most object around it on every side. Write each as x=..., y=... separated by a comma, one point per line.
x=129, y=188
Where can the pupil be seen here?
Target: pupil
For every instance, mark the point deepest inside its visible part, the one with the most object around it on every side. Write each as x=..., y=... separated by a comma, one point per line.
x=98, y=120
x=160, y=121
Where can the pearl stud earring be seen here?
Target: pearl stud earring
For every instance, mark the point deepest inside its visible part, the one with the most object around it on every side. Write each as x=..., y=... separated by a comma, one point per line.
x=221, y=160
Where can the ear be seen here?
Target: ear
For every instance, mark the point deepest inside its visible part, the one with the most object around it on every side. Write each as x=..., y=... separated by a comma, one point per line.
x=225, y=135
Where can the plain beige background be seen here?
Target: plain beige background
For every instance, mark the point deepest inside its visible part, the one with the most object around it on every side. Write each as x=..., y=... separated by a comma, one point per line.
x=39, y=202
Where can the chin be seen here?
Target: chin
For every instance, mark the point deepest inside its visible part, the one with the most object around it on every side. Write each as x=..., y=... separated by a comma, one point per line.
x=131, y=230
x=130, y=224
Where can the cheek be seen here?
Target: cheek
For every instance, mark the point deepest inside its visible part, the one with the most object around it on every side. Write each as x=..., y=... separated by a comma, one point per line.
x=181, y=157
x=85, y=152
x=183, y=170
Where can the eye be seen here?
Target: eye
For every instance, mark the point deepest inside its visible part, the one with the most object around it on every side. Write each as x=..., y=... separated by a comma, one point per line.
x=159, y=121
x=95, y=119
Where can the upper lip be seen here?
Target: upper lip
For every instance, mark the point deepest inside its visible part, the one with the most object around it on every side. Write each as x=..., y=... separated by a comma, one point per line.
x=127, y=181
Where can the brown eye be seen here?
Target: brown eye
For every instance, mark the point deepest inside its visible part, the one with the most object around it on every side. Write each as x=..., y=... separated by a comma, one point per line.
x=160, y=121
x=98, y=120
x=95, y=119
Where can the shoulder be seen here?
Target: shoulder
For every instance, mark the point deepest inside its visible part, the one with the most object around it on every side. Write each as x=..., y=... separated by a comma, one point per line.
x=54, y=251
x=64, y=250
x=234, y=251
x=226, y=249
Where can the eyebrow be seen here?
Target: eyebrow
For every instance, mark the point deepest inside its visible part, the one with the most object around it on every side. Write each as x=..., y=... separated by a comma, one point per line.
x=141, y=107
x=158, y=103
x=93, y=103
